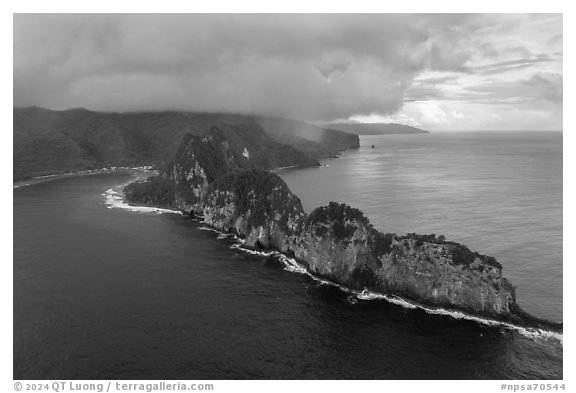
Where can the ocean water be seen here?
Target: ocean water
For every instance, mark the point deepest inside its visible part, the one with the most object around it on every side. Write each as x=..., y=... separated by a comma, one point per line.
x=104, y=292
x=499, y=193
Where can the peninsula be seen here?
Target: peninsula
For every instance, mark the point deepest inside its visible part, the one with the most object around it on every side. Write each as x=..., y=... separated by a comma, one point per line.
x=375, y=128
x=222, y=176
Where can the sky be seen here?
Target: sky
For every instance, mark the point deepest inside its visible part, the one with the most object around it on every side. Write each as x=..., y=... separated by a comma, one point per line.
x=433, y=71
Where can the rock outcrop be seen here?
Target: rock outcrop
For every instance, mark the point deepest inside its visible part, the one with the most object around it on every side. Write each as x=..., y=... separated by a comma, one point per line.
x=257, y=205
x=338, y=242
x=202, y=159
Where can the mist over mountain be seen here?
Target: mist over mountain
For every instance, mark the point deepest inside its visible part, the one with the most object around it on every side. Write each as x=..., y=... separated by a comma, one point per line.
x=49, y=142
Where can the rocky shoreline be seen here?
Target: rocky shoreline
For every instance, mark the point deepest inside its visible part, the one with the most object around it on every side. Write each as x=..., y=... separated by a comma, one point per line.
x=336, y=242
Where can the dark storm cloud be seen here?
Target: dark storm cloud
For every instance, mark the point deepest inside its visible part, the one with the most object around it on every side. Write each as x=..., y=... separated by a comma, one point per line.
x=314, y=67
x=305, y=66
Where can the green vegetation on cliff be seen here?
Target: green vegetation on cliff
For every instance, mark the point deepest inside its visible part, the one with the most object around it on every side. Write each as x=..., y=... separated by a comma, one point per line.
x=341, y=218
x=259, y=196
x=380, y=243
x=154, y=191
x=344, y=221
x=461, y=255
x=221, y=150
x=208, y=153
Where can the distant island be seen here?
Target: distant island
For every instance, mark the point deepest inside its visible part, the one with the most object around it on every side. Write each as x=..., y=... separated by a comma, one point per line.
x=375, y=128
x=222, y=180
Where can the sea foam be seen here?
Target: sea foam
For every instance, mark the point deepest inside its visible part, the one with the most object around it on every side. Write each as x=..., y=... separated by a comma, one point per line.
x=291, y=265
x=114, y=199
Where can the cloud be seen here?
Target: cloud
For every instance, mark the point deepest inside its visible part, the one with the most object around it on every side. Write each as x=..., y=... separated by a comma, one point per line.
x=510, y=65
x=432, y=87
x=539, y=87
x=333, y=64
x=306, y=66
x=469, y=116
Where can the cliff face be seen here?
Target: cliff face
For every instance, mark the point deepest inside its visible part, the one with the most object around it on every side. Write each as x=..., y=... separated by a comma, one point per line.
x=360, y=256
x=198, y=162
x=202, y=159
x=339, y=243
x=258, y=205
x=429, y=272
x=342, y=245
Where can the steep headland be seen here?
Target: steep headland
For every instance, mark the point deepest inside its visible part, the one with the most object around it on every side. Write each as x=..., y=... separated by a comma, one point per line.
x=52, y=142
x=202, y=159
x=237, y=194
x=375, y=128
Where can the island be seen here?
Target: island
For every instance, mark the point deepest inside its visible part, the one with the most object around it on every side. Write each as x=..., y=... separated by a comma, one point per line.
x=211, y=176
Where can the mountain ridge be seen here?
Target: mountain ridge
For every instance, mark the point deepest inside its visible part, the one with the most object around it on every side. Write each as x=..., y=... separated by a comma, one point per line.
x=50, y=142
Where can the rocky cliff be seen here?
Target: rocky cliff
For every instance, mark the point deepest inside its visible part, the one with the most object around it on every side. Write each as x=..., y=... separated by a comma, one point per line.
x=237, y=194
x=338, y=242
x=257, y=205
x=202, y=159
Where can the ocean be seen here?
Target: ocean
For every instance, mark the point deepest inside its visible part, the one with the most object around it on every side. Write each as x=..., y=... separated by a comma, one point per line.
x=106, y=292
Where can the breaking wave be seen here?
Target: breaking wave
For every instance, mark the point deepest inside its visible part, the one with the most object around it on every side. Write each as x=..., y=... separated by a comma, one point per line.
x=291, y=265
x=114, y=199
